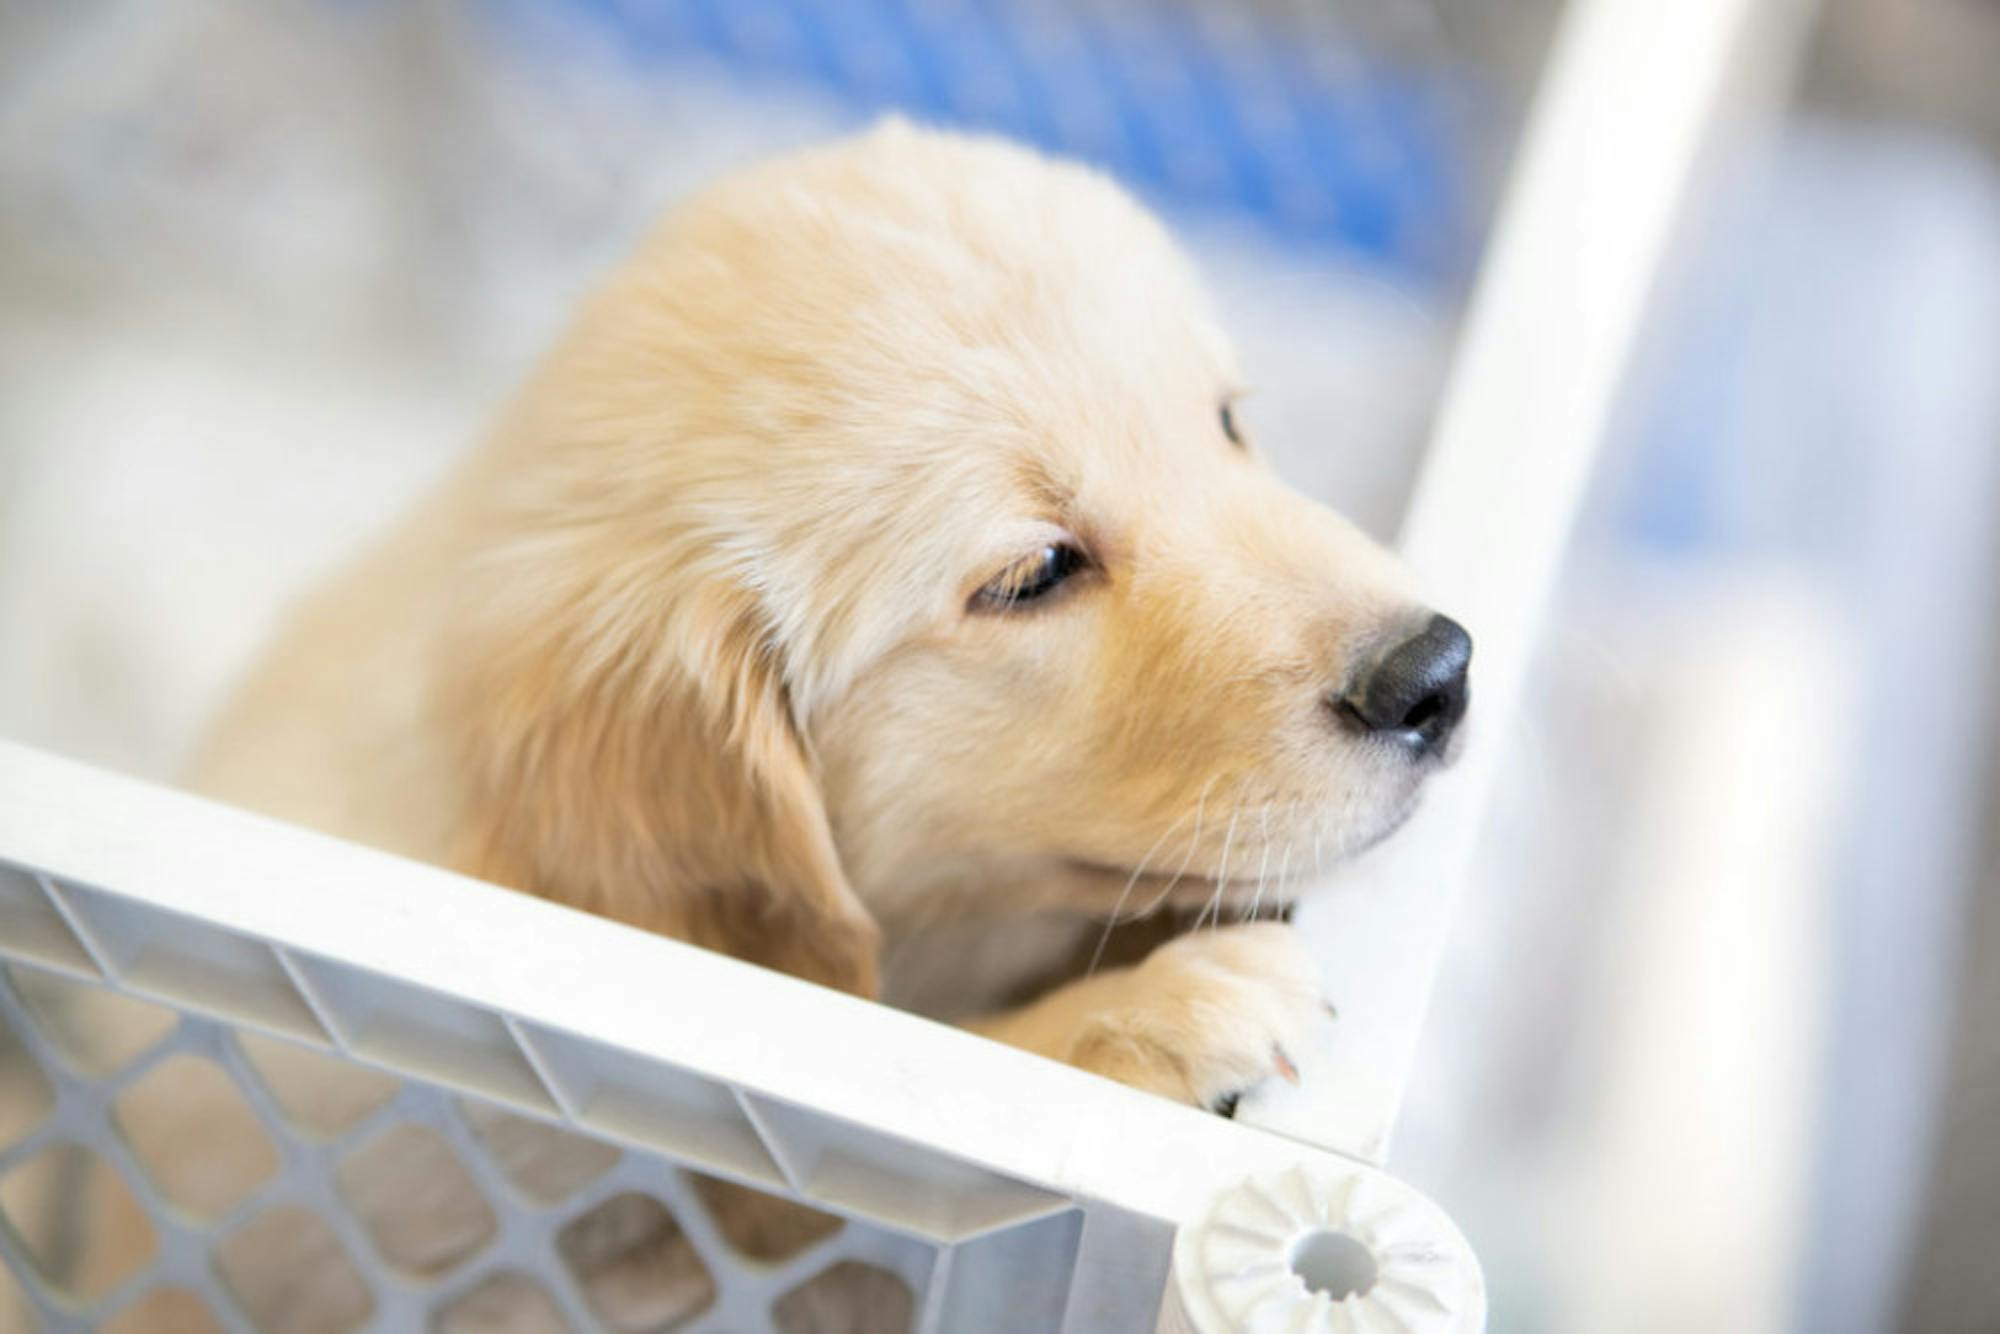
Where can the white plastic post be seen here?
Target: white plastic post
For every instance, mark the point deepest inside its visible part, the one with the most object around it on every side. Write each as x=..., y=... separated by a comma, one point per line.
x=1634, y=93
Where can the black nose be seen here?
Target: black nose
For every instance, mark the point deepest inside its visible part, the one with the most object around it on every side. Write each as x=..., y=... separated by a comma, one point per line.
x=1417, y=693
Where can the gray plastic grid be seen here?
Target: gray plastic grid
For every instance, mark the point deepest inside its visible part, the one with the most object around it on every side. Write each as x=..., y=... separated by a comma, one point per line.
x=524, y=1239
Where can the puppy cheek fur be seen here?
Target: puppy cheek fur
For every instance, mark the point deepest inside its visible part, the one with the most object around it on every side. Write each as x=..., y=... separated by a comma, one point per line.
x=666, y=787
x=678, y=605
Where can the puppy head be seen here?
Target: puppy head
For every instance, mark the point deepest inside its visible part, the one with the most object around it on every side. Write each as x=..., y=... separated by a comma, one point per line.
x=886, y=533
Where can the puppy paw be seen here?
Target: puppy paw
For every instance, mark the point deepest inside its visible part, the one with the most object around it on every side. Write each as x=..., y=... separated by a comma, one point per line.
x=1209, y=1016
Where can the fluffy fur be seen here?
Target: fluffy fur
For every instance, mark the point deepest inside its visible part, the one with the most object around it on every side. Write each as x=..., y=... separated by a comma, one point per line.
x=692, y=641
x=697, y=639
x=703, y=639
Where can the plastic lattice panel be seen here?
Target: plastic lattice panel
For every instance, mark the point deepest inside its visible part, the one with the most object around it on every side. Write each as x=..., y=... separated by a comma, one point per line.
x=163, y=1167
x=256, y=1079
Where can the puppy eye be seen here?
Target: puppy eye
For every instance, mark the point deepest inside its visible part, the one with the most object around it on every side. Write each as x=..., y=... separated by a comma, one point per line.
x=1032, y=579
x=1226, y=410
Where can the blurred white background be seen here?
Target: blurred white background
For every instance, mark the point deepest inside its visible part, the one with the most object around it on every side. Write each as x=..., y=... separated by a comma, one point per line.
x=267, y=266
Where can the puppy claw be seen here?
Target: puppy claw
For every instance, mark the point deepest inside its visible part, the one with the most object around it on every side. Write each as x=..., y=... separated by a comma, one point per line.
x=1286, y=1070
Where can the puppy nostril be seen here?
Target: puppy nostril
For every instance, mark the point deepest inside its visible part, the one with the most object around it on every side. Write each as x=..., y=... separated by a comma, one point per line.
x=1417, y=693
x=1429, y=707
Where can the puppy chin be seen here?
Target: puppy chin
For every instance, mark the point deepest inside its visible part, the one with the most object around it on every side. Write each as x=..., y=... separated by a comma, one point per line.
x=1097, y=885
x=1398, y=796
x=1397, y=815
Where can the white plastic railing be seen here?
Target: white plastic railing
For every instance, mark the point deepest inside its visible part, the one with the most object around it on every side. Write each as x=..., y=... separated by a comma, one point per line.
x=1630, y=108
x=1003, y=1191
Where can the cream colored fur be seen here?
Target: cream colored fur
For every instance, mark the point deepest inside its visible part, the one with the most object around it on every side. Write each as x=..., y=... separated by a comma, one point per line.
x=695, y=640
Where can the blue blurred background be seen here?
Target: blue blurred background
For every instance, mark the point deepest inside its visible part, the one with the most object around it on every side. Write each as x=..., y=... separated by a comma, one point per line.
x=1214, y=108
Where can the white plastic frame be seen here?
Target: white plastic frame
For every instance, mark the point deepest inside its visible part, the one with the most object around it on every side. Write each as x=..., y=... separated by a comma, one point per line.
x=1034, y=1195
x=1636, y=101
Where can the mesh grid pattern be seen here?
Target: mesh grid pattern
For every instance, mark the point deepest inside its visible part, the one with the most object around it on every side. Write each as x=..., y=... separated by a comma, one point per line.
x=110, y=1217
x=1316, y=120
x=184, y=1278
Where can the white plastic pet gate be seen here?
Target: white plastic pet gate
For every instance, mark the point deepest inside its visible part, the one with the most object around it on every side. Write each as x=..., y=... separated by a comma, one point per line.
x=974, y=1186
x=501, y=1089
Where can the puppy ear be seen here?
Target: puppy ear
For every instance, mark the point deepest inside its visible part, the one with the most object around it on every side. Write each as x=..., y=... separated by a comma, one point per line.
x=658, y=780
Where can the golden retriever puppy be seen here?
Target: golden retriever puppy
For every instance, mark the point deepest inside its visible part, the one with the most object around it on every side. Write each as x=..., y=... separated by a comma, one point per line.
x=876, y=584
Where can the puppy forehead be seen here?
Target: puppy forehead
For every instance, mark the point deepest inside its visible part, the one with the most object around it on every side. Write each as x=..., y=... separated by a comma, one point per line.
x=915, y=242
x=947, y=336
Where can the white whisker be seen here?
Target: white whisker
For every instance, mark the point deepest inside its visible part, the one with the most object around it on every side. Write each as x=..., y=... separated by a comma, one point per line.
x=1194, y=841
x=1263, y=857
x=1097, y=955
x=1222, y=872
